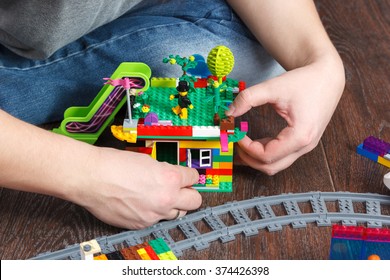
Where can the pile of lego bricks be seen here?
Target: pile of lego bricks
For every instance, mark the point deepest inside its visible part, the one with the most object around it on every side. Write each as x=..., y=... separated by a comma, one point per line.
x=359, y=243
x=155, y=249
x=376, y=150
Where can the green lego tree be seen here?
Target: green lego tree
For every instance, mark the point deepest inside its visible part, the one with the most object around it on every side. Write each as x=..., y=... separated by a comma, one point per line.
x=185, y=63
x=220, y=62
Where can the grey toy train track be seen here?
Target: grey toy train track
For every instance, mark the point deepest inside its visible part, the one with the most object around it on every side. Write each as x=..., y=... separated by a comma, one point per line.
x=345, y=201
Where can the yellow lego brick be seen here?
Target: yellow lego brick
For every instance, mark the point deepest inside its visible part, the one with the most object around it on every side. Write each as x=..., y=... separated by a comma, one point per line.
x=200, y=144
x=225, y=178
x=167, y=256
x=216, y=165
x=225, y=165
x=384, y=161
x=163, y=82
x=143, y=254
x=118, y=133
x=212, y=186
x=101, y=257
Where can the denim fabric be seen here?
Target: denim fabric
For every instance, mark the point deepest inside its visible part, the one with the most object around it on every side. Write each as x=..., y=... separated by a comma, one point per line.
x=39, y=91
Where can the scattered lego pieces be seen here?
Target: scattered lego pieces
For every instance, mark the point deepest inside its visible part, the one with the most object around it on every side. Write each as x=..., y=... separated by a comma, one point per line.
x=359, y=243
x=376, y=150
x=155, y=249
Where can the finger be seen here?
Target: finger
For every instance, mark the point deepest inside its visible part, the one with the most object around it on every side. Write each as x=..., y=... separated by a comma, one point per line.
x=286, y=142
x=248, y=98
x=186, y=176
x=269, y=168
x=188, y=199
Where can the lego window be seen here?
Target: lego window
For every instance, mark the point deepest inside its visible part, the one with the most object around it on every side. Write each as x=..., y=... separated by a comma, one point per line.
x=205, y=158
x=197, y=158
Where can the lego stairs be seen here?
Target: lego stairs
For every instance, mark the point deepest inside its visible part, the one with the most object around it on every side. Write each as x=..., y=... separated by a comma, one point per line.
x=88, y=123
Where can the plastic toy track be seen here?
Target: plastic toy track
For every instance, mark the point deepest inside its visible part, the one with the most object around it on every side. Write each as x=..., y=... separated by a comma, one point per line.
x=344, y=201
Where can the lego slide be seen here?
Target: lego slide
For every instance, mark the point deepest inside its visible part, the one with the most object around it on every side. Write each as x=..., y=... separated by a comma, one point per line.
x=87, y=123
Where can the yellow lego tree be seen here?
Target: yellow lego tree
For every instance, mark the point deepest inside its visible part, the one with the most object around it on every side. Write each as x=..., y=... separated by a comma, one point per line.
x=220, y=62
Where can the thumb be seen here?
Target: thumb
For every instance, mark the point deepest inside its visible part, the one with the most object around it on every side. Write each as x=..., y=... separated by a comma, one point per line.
x=247, y=99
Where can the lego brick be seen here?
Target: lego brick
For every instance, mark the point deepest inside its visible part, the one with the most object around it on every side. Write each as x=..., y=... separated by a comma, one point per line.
x=366, y=153
x=227, y=123
x=119, y=134
x=167, y=256
x=219, y=172
x=224, y=142
x=163, y=82
x=130, y=254
x=152, y=254
x=200, y=144
x=159, y=246
x=377, y=234
x=241, y=85
x=376, y=146
x=88, y=249
x=101, y=257
x=216, y=165
x=244, y=126
x=350, y=232
x=161, y=130
x=205, y=131
x=225, y=178
x=384, y=161
x=143, y=254
x=228, y=158
x=114, y=256
x=200, y=83
x=226, y=165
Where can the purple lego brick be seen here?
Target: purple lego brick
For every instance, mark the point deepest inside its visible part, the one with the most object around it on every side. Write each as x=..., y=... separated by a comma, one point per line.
x=376, y=146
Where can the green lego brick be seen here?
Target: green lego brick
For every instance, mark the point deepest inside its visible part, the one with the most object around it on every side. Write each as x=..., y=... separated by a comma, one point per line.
x=223, y=187
x=223, y=158
x=163, y=82
x=159, y=246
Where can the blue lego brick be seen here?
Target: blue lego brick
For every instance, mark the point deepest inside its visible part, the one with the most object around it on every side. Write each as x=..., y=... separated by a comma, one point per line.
x=361, y=151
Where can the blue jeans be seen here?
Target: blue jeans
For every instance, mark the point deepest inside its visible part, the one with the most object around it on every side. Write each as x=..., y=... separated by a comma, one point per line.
x=39, y=91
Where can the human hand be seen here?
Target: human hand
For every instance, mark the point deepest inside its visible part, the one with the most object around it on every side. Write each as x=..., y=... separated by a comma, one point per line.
x=132, y=190
x=306, y=98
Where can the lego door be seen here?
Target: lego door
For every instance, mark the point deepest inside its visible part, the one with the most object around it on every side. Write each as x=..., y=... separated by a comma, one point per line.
x=168, y=152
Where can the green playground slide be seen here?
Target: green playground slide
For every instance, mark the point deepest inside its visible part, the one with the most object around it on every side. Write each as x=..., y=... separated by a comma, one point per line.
x=88, y=123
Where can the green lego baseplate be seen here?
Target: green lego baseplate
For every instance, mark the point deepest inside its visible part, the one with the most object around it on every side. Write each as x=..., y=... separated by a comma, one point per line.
x=201, y=115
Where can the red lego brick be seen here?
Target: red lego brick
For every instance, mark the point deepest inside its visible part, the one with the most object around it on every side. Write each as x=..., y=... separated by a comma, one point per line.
x=145, y=150
x=219, y=172
x=201, y=83
x=152, y=254
x=378, y=234
x=241, y=85
x=182, y=154
x=163, y=130
x=350, y=232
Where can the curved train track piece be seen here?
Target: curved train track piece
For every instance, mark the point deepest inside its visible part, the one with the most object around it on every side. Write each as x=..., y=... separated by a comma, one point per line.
x=345, y=202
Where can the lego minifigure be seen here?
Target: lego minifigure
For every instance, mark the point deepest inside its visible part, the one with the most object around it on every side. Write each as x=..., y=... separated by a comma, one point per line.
x=183, y=101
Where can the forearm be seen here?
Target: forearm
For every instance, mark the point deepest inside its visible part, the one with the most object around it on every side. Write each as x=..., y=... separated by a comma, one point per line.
x=291, y=31
x=35, y=160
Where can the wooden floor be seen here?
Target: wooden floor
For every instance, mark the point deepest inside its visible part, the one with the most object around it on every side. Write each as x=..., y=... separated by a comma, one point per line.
x=31, y=224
